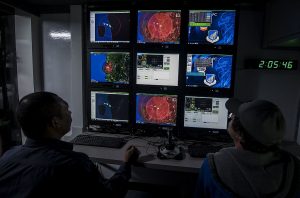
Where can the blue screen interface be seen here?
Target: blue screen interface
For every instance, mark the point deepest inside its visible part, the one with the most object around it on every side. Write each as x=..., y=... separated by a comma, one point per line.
x=209, y=70
x=110, y=67
x=211, y=27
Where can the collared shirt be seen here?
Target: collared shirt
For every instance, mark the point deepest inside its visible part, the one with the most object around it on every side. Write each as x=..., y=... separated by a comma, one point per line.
x=49, y=168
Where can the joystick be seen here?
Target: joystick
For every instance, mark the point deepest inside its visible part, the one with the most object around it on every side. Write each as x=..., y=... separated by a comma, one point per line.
x=170, y=150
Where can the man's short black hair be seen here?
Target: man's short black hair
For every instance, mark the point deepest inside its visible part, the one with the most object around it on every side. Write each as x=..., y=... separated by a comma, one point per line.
x=35, y=112
x=248, y=142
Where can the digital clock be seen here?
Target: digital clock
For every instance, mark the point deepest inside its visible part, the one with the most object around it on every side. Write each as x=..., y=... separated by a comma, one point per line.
x=271, y=64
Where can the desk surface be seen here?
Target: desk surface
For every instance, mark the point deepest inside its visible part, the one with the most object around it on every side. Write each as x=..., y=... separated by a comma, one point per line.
x=148, y=149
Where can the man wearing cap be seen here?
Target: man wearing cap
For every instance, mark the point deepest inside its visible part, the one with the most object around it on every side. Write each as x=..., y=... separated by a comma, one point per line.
x=256, y=166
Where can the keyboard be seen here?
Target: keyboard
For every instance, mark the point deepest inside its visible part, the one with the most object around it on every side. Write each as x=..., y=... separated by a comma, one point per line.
x=201, y=150
x=101, y=141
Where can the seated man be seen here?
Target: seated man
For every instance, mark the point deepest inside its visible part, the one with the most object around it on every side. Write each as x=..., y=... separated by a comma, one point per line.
x=45, y=166
x=255, y=167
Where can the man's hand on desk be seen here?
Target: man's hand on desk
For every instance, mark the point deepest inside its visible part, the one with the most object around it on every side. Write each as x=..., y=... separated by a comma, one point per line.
x=131, y=155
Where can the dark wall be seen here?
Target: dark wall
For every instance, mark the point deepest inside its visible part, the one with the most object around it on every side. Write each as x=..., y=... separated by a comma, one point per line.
x=280, y=87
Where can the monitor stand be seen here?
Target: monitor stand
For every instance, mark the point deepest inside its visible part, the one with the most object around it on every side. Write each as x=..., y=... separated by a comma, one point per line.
x=170, y=150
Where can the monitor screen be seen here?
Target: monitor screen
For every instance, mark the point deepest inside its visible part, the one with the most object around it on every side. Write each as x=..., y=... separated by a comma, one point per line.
x=109, y=106
x=159, y=26
x=156, y=109
x=205, y=112
x=214, y=27
x=157, y=69
x=110, y=67
x=209, y=70
x=109, y=26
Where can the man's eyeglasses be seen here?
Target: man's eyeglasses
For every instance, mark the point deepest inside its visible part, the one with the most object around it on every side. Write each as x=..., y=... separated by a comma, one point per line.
x=230, y=116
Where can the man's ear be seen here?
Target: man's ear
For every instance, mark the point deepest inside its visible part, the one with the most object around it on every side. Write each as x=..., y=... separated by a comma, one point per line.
x=55, y=122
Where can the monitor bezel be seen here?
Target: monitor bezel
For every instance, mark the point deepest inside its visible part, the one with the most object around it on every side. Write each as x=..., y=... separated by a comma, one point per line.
x=122, y=7
x=214, y=47
x=158, y=45
x=150, y=129
x=211, y=90
x=203, y=134
x=100, y=125
x=109, y=84
x=133, y=47
x=151, y=86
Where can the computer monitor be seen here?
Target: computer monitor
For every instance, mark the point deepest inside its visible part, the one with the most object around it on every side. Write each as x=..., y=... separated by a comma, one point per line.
x=159, y=26
x=209, y=70
x=109, y=26
x=157, y=69
x=211, y=27
x=110, y=67
x=205, y=112
x=109, y=106
x=158, y=109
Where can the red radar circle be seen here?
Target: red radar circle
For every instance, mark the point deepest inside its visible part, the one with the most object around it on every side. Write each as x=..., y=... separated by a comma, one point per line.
x=160, y=26
x=158, y=109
